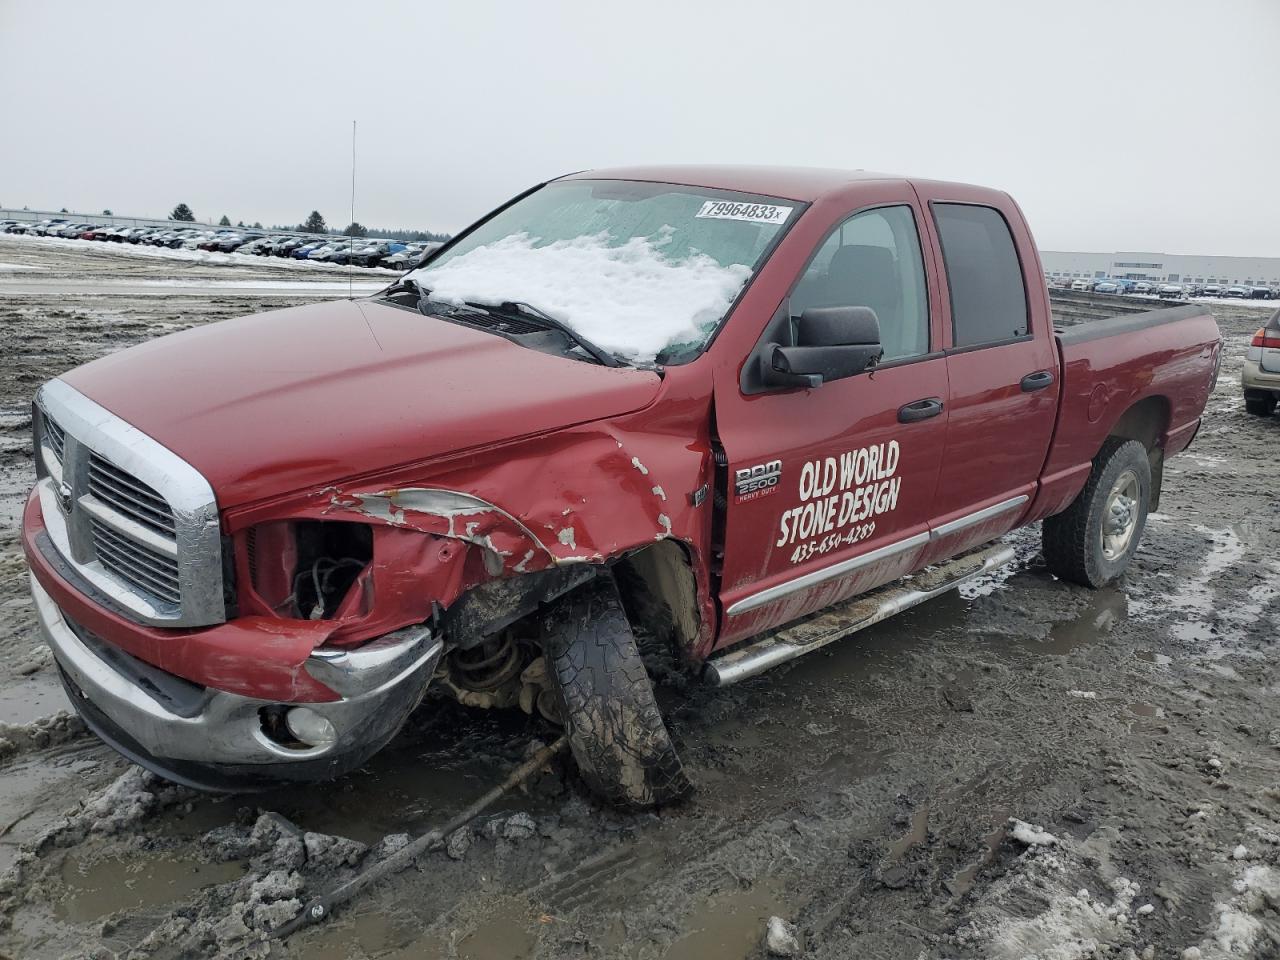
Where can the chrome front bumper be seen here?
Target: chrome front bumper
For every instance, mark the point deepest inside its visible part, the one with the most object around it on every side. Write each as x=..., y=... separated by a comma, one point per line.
x=216, y=740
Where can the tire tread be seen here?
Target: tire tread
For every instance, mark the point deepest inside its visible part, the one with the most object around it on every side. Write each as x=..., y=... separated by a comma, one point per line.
x=1065, y=537
x=1260, y=406
x=616, y=732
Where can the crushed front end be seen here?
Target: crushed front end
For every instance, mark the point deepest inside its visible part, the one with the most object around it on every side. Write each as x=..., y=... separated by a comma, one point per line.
x=292, y=649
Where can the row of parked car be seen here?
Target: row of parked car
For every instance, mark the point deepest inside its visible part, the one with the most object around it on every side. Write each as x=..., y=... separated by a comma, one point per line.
x=360, y=251
x=1167, y=291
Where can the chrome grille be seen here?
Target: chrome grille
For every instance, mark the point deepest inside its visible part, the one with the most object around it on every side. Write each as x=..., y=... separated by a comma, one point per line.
x=134, y=520
x=57, y=439
x=148, y=570
x=130, y=496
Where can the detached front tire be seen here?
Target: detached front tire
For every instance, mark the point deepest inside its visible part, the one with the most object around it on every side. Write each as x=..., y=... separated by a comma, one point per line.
x=610, y=715
x=1093, y=540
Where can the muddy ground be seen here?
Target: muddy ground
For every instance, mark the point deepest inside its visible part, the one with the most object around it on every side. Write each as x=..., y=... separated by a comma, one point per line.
x=1029, y=769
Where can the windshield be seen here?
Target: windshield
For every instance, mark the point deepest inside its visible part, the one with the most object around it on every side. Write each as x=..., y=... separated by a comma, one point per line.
x=646, y=271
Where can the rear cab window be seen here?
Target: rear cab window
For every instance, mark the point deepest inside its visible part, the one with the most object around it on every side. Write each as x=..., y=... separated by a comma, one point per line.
x=984, y=275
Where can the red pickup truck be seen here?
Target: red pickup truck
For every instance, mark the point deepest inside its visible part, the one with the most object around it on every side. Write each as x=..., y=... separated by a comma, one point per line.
x=730, y=413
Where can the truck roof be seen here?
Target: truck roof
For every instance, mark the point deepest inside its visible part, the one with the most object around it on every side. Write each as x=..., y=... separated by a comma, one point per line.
x=791, y=183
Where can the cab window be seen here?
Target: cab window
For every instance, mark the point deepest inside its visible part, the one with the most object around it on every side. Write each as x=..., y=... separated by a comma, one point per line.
x=988, y=297
x=873, y=260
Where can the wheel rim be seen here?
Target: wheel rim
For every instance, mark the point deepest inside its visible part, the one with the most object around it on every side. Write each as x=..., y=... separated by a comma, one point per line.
x=1120, y=516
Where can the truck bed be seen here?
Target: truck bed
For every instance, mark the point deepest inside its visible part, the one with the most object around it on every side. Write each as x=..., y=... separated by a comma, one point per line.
x=1072, y=307
x=1125, y=370
x=1076, y=328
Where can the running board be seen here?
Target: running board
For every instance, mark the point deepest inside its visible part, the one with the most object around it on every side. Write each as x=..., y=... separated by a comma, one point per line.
x=858, y=613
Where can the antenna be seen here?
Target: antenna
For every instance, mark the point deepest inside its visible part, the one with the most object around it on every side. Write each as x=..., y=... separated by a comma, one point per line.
x=351, y=242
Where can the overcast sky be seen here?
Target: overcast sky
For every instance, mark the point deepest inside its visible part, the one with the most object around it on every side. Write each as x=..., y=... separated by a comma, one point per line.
x=1117, y=124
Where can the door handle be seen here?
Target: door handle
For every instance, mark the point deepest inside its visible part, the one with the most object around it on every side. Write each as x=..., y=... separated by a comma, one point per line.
x=919, y=410
x=1037, y=381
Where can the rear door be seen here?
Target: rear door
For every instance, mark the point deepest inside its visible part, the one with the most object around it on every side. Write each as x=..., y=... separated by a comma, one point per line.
x=831, y=489
x=1002, y=366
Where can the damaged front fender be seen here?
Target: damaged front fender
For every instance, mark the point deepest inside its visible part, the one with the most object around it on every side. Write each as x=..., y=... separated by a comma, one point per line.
x=507, y=545
x=581, y=497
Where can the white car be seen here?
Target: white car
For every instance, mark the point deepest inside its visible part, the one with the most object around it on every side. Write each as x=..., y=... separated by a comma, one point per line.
x=1261, y=374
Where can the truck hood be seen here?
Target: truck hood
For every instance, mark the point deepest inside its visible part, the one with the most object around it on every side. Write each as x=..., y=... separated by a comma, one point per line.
x=283, y=401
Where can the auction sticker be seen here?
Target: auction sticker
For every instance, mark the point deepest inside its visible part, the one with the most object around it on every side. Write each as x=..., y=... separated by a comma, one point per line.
x=750, y=212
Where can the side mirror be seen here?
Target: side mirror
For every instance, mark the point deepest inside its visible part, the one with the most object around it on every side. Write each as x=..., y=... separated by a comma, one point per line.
x=831, y=343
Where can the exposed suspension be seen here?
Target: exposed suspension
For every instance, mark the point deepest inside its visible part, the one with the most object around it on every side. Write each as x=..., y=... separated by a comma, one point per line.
x=504, y=670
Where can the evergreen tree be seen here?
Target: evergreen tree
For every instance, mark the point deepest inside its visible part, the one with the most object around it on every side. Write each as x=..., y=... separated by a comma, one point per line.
x=315, y=224
x=354, y=229
x=257, y=225
x=400, y=234
x=224, y=222
x=183, y=212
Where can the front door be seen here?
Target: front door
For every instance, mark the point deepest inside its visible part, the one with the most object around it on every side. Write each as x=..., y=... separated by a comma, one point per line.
x=830, y=490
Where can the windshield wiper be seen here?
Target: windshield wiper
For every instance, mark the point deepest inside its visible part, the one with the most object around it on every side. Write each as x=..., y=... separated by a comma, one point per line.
x=529, y=310
x=409, y=283
x=519, y=307
x=405, y=282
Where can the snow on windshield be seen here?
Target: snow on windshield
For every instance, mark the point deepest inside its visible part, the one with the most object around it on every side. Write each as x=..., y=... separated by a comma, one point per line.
x=629, y=298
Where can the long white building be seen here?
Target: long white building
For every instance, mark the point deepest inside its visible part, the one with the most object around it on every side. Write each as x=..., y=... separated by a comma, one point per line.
x=1163, y=267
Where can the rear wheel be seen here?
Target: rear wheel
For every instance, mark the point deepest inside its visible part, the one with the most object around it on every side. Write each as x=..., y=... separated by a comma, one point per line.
x=1260, y=406
x=617, y=735
x=1093, y=540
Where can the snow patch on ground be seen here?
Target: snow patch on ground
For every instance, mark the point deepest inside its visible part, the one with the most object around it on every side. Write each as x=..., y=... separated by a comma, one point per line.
x=361, y=283
x=630, y=299
x=107, y=248
x=1246, y=302
x=1031, y=836
x=1026, y=544
x=1073, y=926
x=40, y=734
x=1071, y=923
x=1197, y=602
x=1239, y=926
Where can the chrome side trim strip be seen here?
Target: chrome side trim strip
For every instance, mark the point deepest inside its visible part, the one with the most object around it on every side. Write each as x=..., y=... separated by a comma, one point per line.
x=979, y=516
x=853, y=564
x=742, y=662
x=815, y=577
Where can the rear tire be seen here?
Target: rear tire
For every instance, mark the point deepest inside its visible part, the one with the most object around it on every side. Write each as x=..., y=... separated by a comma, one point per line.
x=1093, y=540
x=1260, y=406
x=611, y=718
